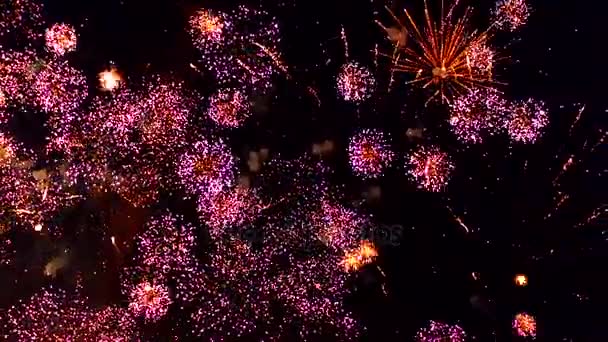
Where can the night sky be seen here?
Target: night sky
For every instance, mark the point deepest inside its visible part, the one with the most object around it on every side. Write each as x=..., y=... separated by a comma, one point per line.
x=430, y=267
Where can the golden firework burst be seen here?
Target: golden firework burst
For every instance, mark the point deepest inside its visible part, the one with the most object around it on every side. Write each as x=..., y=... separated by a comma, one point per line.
x=437, y=53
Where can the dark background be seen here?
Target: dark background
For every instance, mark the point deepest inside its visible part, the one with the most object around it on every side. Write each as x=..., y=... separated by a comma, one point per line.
x=557, y=57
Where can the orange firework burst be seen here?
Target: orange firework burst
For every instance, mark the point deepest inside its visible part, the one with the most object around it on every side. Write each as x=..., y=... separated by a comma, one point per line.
x=438, y=55
x=357, y=258
x=109, y=79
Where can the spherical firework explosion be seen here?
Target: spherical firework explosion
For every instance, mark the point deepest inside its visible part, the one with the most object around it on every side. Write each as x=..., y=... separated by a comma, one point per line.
x=369, y=153
x=524, y=325
x=430, y=168
x=59, y=87
x=229, y=108
x=480, y=57
x=441, y=332
x=527, y=120
x=61, y=39
x=207, y=168
x=477, y=113
x=150, y=300
x=166, y=244
x=355, y=83
x=511, y=14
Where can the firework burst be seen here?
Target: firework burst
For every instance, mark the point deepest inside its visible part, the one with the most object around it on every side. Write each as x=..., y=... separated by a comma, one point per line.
x=359, y=257
x=229, y=108
x=21, y=20
x=477, y=113
x=59, y=87
x=511, y=14
x=438, y=55
x=208, y=29
x=524, y=325
x=240, y=47
x=61, y=39
x=231, y=207
x=440, y=332
x=355, y=83
x=55, y=315
x=527, y=120
x=207, y=168
x=167, y=244
x=430, y=168
x=369, y=153
x=150, y=300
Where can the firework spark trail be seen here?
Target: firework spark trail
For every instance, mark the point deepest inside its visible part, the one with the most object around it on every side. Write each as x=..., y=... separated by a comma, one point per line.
x=597, y=213
x=458, y=220
x=559, y=203
x=345, y=41
x=275, y=58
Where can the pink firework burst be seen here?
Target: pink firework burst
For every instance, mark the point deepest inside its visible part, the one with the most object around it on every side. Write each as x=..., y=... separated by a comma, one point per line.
x=61, y=39
x=229, y=108
x=239, y=47
x=111, y=121
x=17, y=73
x=166, y=107
x=237, y=302
x=369, y=153
x=339, y=227
x=355, y=83
x=524, y=325
x=479, y=112
x=230, y=207
x=440, y=332
x=167, y=243
x=526, y=120
x=207, y=168
x=313, y=290
x=511, y=14
x=138, y=183
x=480, y=57
x=150, y=300
x=59, y=87
x=55, y=315
x=21, y=20
x=430, y=168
